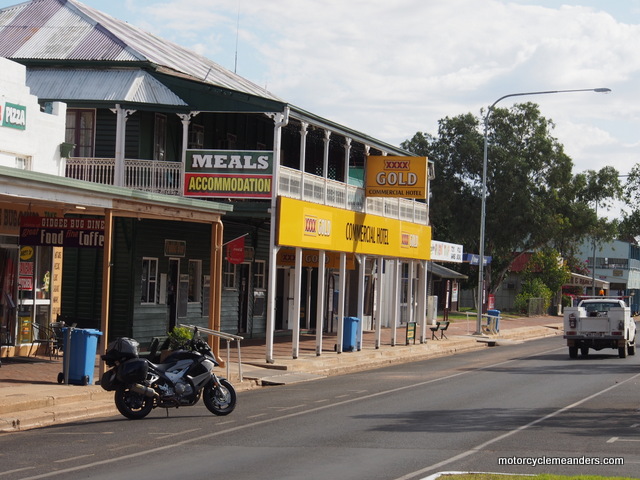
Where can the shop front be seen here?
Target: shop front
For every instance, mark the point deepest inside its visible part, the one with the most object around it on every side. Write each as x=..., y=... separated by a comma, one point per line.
x=357, y=251
x=114, y=248
x=29, y=278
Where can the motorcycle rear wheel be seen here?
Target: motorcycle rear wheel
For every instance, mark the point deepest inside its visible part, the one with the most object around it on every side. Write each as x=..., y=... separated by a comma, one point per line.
x=132, y=405
x=219, y=400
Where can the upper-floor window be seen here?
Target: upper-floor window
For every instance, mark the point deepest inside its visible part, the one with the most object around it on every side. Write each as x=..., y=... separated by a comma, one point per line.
x=196, y=136
x=23, y=163
x=80, y=131
x=160, y=137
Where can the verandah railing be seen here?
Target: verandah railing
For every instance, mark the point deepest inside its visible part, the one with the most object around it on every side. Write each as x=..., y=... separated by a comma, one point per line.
x=146, y=175
x=165, y=178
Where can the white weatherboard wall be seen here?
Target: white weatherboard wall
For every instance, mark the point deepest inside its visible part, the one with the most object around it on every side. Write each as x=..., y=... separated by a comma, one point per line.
x=37, y=146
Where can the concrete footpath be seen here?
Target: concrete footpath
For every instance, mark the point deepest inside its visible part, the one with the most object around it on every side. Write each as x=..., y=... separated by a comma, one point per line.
x=30, y=396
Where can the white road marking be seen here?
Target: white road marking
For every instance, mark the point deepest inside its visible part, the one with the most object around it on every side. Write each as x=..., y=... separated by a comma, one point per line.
x=169, y=435
x=71, y=459
x=306, y=412
x=482, y=446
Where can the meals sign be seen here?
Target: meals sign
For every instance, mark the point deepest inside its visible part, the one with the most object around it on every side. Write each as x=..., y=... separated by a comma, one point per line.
x=228, y=174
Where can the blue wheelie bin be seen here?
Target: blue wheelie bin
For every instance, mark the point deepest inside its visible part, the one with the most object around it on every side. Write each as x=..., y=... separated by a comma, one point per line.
x=79, y=346
x=350, y=333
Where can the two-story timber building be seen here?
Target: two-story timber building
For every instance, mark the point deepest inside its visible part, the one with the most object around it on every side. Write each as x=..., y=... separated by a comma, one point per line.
x=304, y=246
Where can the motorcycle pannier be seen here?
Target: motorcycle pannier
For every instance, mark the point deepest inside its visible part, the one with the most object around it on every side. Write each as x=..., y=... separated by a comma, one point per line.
x=121, y=349
x=133, y=371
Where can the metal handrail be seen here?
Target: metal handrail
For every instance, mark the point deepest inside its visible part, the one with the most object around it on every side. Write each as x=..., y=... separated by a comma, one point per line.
x=225, y=336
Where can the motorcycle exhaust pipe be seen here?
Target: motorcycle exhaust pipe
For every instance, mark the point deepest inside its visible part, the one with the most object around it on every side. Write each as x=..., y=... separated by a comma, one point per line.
x=142, y=390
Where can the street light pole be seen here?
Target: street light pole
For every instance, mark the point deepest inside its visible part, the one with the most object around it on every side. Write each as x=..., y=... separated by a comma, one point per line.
x=480, y=297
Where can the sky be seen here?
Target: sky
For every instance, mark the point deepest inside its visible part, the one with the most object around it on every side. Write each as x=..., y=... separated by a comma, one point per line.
x=392, y=68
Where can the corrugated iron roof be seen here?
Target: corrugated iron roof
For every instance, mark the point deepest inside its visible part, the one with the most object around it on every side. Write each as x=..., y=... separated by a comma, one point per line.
x=117, y=85
x=70, y=30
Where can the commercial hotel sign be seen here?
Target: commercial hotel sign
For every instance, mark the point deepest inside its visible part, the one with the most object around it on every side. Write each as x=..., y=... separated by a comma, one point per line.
x=388, y=176
x=228, y=174
x=313, y=226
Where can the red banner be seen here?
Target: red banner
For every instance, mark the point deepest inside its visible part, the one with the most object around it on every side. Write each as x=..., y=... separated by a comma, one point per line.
x=235, y=251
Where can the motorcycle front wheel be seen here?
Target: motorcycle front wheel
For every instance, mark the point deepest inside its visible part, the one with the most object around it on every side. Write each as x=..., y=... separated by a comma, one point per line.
x=219, y=400
x=132, y=405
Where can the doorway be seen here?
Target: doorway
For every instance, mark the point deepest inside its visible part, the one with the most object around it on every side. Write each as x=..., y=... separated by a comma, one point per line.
x=244, y=274
x=172, y=291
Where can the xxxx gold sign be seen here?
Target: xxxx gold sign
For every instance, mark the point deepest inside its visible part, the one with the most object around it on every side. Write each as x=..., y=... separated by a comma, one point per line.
x=319, y=227
x=389, y=176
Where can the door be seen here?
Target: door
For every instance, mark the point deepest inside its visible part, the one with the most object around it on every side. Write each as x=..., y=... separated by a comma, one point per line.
x=244, y=273
x=173, y=291
x=8, y=289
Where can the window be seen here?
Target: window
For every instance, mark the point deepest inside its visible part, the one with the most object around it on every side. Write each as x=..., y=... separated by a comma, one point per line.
x=228, y=275
x=195, y=280
x=80, y=131
x=23, y=163
x=196, y=136
x=160, y=137
x=149, y=280
x=259, y=276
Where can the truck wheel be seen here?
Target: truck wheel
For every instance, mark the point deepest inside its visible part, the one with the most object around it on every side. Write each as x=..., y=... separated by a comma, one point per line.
x=573, y=352
x=622, y=352
x=584, y=351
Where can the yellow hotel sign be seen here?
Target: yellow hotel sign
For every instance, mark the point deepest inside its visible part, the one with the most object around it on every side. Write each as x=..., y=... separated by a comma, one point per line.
x=313, y=226
x=388, y=176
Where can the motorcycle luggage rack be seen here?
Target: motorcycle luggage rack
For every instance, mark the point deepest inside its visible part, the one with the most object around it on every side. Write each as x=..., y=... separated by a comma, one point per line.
x=225, y=336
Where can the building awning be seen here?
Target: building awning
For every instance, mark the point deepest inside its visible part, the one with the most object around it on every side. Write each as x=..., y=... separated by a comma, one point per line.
x=444, y=272
x=578, y=280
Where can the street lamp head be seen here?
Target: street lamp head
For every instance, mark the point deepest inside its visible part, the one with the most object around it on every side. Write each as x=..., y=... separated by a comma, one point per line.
x=602, y=90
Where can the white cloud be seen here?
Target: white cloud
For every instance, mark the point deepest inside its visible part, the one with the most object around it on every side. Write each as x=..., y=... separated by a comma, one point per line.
x=390, y=69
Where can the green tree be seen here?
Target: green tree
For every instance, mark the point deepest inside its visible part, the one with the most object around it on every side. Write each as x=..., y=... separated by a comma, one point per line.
x=629, y=228
x=533, y=199
x=548, y=266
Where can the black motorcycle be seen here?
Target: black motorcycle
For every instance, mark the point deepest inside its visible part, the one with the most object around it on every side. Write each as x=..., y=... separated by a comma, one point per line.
x=180, y=380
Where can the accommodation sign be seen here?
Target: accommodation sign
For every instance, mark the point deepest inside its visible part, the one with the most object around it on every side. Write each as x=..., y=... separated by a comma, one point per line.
x=228, y=174
x=388, y=176
x=62, y=232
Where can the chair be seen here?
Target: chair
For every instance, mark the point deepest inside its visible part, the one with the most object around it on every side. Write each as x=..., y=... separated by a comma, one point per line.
x=434, y=330
x=439, y=327
x=58, y=337
x=42, y=335
x=443, y=328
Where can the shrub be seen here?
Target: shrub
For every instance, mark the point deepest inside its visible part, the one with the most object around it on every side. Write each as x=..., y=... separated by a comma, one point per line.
x=533, y=288
x=179, y=337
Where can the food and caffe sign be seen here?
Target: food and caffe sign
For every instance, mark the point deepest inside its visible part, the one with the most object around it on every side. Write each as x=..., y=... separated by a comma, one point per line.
x=81, y=232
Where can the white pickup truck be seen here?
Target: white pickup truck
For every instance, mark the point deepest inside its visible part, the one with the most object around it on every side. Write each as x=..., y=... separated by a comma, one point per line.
x=598, y=323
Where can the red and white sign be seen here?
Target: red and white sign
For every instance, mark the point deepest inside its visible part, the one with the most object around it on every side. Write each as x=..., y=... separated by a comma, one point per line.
x=235, y=251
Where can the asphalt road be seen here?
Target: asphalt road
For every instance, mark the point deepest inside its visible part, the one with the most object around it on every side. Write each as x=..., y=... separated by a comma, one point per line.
x=484, y=411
